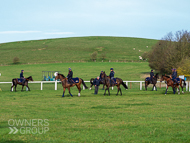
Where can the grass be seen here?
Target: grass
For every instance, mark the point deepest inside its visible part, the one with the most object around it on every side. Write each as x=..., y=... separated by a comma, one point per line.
x=74, y=49
x=86, y=71
x=137, y=116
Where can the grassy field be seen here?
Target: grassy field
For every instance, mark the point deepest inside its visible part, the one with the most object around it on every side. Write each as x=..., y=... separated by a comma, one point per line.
x=74, y=49
x=86, y=71
x=137, y=116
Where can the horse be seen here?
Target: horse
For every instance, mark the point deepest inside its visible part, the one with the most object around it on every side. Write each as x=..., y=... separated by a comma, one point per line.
x=15, y=82
x=65, y=84
x=91, y=82
x=154, y=81
x=117, y=83
x=170, y=82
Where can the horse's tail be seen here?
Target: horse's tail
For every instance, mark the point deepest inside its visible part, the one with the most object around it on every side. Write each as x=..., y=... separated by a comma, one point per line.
x=84, y=84
x=13, y=81
x=124, y=85
x=184, y=84
x=91, y=80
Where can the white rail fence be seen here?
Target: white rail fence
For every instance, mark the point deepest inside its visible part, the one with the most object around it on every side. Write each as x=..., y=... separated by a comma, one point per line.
x=127, y=82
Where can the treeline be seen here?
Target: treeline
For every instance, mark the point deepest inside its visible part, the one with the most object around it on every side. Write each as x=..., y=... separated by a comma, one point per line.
x=173, y=51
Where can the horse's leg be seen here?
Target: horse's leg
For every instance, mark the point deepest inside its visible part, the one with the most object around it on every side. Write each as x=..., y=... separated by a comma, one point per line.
x=109, y=91
x=15, y=86
x=12, y=87
x=105, y=91
x=156, y=87
x=28, y=87
x=153, y=87
x=70, y=92
x=120, y=90
x=22, y=87
x=117, y=90
x=103, y=86
x=178, y=89
x=182, y=88
x=166, y=90
x=79, y=89
x=63, y=92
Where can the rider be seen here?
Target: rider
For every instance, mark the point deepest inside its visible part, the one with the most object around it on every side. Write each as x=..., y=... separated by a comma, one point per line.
x=70, y=76
x=22, y=77
x=101, y=75
x=174, y=75
x=151, y=76
x=111, y=76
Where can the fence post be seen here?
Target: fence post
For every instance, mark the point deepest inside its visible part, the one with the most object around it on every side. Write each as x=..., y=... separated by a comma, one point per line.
x=126, y=84
x=140, y=85
x=12, y=87
x=187, y=86
x=56, y=85
x=41, y=85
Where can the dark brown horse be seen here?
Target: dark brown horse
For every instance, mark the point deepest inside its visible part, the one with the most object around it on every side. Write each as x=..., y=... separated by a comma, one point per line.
x=170, y=82
x=117, y=83
x=154, y=81
x=101, y=82
x=15, y=82
x=67, y=85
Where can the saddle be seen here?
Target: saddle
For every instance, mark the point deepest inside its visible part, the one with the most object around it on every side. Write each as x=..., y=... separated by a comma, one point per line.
x=20, y=80
x=148, y=79
x=113, y=80
x=74, y=80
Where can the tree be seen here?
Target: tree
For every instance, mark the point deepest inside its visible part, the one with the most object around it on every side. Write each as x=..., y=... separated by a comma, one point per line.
x=103, y=56
x=94, y=56
x=170, y=51
x=15, y=60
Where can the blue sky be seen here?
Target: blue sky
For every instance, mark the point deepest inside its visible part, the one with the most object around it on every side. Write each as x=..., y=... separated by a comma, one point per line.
x=43, y=19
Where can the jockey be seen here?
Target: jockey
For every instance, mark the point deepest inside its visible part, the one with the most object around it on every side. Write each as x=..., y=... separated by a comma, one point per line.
x=70, y=76
x=151, y=76
x=101, y=75
x=111, y=76
x=22, y=77
x=174, y=75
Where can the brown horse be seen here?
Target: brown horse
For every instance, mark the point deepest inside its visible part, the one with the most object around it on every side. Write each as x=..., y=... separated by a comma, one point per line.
x=15, y=82
x=154, y=81
x=170, y=82
x=117, y=83
x=65, y=84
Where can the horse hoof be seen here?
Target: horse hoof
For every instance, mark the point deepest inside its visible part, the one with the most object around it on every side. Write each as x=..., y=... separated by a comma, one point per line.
x=78, y=94
x=165, y=94
x=90, y=88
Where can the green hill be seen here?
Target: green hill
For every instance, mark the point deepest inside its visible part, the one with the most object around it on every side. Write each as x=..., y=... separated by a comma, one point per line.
x=74, y=49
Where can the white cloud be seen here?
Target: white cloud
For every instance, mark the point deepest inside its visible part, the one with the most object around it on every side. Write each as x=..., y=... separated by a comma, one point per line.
x=18, y=32
x=60, y=33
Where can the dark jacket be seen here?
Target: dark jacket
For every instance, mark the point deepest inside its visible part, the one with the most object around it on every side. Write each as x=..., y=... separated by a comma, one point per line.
x=96, y=82
x=101, y=75
x=111, y=74
x=174, y=74
x=21, y=75
x=151, y=74
x=70, y=75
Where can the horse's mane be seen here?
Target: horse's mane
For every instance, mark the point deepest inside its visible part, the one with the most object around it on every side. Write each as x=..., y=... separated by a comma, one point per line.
x=61, y=75
x=166, y=76
x=28, y=77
